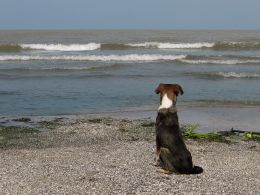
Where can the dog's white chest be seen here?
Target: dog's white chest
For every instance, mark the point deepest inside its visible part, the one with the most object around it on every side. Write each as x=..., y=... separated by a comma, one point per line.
x=166, y=102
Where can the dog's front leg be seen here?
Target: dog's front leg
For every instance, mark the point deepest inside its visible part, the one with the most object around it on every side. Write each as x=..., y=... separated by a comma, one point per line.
x=157, y=152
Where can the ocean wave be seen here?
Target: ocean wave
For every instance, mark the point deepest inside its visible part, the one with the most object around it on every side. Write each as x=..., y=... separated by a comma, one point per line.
x=62, y=47
x=103, y=46
x=10, y=48
x=222, y=45
x=186, y=59
x=215, y=75
x=55, y=68
x=224, y=102
x=63, y=68
x=125, y=58
x=228, y=60
x=238, y=75
x=6, y=93
x=172, y=45
x=156, y=45
x=229, y=45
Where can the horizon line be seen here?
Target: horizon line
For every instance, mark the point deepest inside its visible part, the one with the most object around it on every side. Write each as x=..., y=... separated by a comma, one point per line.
x=136, y=29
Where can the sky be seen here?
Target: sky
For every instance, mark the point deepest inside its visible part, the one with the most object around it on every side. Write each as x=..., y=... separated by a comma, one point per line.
x=129, y=14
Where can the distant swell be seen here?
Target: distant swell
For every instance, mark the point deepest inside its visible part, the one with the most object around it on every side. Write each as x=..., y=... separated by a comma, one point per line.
x=126, y=58
x=10, y=48
x=226, y=45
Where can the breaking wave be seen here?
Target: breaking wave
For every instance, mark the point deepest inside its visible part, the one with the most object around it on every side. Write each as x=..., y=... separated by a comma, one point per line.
x=125, y=58
x=224, y=45
x=215, y=75
x=220, y=61
x=49, y=47
x=62, y=47
x=103, y=46
x=238, y=75
x=228, y=60
x=172, y=45
x=185, y=59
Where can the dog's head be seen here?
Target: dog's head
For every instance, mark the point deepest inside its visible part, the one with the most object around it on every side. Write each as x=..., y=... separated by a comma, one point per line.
x=168, y=94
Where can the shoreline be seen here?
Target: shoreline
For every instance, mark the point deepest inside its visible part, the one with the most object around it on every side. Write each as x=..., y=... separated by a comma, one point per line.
x=212, y=118
x=108, y=155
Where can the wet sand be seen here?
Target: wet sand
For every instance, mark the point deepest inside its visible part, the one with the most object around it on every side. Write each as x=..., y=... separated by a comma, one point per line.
x=209, y=118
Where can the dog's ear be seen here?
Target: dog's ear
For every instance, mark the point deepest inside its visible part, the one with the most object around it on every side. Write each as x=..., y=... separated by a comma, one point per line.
x=177, y=89
x=159, y=88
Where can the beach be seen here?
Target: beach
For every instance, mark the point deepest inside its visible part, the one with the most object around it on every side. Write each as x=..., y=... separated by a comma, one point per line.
x=114, y=156
x=77, y=110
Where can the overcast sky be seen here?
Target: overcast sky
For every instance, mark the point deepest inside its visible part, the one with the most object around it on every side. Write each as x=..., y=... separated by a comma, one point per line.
x=129, y=14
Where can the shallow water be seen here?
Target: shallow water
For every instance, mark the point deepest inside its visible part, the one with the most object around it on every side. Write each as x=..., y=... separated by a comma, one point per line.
x=73, y=72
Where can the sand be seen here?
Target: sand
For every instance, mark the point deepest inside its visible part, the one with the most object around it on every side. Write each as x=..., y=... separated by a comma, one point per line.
x=115, y=156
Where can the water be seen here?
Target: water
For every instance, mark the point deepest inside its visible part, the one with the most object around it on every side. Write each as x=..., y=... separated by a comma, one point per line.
x=92, y=71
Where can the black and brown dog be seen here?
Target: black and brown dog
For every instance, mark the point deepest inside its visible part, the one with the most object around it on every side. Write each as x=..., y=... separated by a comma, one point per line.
x=171, y=151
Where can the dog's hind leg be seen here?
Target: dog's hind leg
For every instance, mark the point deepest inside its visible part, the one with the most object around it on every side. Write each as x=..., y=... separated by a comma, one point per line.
x=165, y=171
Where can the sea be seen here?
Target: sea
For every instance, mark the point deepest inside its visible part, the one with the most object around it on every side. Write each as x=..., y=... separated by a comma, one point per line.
x=66, y=72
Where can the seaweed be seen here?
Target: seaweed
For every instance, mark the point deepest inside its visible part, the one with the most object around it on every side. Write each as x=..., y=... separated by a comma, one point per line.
x=51, y=124
x=12, y=130
x=23, y=119
x=251, y=136
x=14, y=136
x=148, y=124
x=95, y=120
x=189, y=132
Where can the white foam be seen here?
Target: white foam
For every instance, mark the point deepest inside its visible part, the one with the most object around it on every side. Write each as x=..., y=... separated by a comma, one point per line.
x=238, y=75
x=172, y=45
x=228, y=62
x=55, y=68
x=127, y=58
x=62, y=47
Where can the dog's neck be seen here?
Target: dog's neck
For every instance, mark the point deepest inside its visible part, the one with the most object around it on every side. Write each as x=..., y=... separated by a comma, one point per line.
x=167, y=104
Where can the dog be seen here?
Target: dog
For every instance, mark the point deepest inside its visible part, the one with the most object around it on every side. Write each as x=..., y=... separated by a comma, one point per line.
x=171, y=152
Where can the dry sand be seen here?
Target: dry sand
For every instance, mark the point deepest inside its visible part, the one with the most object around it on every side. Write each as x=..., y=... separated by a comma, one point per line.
x=112, y=156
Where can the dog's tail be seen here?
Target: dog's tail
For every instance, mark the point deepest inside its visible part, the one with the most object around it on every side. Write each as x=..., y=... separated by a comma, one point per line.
x=194, y=170
x=197, y=170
